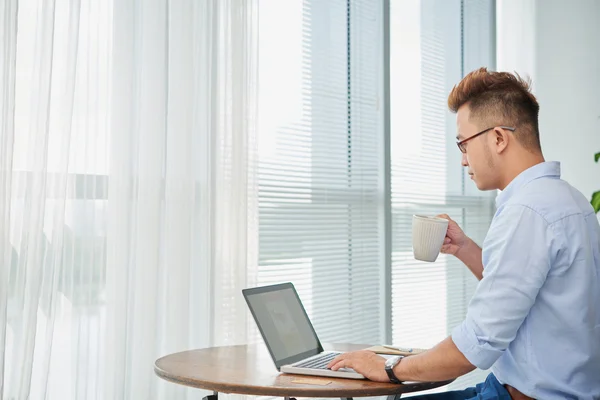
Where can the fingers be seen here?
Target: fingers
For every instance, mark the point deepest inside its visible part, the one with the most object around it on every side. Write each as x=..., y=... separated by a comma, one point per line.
x=335, y=361
x=445, y=216
x=451, y=249
x=448, y=249
x=451, y=222
x=446, y=246
x=346, y=360
x=338, y=365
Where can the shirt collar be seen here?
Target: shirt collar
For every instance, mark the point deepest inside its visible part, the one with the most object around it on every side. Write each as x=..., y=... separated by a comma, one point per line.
x=545, y=169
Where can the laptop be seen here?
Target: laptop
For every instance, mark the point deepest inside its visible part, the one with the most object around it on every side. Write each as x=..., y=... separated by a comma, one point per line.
x=289, y=334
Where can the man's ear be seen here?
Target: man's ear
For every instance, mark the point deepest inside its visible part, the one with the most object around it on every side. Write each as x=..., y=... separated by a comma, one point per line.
x=501, y=138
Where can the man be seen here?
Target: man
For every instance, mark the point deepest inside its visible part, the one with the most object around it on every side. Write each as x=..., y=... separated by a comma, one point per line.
x=535, y=316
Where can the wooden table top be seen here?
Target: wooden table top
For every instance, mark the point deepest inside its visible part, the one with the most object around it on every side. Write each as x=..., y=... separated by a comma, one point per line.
x=248, y=369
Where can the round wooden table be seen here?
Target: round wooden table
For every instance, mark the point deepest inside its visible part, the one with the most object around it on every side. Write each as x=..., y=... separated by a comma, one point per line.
x=249, y=370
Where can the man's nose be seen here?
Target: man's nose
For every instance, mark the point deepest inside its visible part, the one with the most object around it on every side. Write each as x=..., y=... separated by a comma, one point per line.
x=464, y=162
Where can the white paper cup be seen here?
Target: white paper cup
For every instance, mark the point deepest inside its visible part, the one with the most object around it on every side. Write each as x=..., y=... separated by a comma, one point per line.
x=428, y=235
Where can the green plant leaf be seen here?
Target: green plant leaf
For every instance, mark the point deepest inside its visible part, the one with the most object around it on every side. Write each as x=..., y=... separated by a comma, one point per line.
x=596, y=201
x=597, y=157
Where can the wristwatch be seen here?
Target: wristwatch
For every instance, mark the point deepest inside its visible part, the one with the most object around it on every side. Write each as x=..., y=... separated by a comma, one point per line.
x=389, y=368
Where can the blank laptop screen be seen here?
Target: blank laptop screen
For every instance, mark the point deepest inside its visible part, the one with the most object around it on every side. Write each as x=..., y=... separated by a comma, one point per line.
x=286, y=329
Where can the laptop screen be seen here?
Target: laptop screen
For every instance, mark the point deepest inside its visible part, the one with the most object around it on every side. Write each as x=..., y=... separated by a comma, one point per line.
x=283, y=323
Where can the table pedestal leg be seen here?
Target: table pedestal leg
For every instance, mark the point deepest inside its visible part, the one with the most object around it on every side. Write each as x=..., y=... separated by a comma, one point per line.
x=214, y=396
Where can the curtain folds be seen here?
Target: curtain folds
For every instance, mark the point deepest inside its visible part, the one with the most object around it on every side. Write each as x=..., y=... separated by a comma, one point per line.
x=128, y=197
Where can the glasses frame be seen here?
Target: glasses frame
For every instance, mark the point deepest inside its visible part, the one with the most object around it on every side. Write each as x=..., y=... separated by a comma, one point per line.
x=461, y=144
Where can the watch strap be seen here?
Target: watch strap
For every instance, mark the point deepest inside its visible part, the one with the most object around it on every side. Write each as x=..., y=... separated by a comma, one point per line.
x=389, y=369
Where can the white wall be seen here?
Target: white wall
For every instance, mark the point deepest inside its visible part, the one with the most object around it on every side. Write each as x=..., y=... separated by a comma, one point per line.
x=557, y=42
x=568, y=87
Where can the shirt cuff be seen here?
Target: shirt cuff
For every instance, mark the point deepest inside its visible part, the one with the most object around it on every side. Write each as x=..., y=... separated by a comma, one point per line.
x=474, y=347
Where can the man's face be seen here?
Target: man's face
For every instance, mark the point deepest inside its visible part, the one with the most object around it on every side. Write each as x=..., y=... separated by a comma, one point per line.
x=479, y=158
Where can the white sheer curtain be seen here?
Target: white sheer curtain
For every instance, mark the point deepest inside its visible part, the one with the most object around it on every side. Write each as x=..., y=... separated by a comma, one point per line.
x=128, y=199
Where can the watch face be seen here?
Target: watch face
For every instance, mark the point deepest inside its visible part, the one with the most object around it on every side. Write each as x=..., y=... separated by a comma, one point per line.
x=392, y=361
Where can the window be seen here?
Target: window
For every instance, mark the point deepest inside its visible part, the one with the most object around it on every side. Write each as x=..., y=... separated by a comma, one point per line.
x=336, y=191
x=320, y=160
x=433, y=43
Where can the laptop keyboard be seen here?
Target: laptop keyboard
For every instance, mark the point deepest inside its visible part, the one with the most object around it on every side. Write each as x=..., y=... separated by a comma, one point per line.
x=318, y=362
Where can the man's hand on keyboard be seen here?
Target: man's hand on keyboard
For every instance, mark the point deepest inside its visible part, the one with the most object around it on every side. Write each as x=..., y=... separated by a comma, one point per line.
x=366, y=363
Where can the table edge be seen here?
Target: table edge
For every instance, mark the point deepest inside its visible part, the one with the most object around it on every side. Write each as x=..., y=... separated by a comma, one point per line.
x=299, y=392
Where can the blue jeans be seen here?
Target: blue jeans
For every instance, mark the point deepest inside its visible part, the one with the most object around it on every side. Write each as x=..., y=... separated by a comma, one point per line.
x=491, y=389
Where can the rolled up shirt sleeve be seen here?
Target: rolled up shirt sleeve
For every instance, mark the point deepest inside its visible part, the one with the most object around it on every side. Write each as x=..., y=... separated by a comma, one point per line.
x=517, y=256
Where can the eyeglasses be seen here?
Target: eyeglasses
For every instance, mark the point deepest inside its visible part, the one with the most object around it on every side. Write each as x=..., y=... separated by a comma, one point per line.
x=461, y=144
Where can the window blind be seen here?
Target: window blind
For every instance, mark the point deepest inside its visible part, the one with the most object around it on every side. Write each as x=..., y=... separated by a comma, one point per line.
x=320, y=161
x=433, y=43
x=321, y=138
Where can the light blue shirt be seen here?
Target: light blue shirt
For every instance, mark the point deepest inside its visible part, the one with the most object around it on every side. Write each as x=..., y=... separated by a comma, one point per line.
x=535, y=316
